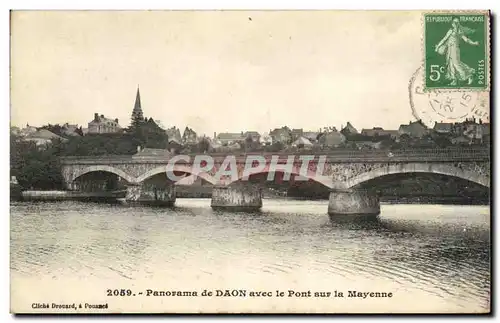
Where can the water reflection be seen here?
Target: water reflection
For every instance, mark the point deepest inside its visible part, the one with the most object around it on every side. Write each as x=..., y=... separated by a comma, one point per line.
x=442, y=252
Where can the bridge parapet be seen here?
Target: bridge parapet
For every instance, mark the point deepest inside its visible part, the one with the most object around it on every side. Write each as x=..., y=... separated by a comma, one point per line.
x=341, y=155
x=342, y=168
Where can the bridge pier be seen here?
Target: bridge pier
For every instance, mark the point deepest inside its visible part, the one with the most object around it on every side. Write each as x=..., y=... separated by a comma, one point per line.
x=353, y=202
x=245, y=197
x=150, y=194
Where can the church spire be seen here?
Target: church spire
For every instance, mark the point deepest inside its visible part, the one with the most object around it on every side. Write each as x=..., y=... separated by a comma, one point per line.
x=137, y=115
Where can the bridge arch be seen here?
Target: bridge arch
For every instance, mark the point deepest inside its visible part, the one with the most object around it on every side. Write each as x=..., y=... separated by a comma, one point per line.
x=177, y=168
x=104, y=168
x=419, y=168
x=326, y=181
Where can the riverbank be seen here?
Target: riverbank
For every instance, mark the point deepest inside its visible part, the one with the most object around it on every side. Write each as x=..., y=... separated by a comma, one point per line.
x=206, y=192
x=70, y=195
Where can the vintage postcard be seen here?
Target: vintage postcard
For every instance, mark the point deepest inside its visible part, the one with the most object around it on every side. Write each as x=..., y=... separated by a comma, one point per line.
x=250, y=162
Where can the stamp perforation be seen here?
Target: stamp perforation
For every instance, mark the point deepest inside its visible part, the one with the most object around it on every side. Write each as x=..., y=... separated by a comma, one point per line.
x=487, y=24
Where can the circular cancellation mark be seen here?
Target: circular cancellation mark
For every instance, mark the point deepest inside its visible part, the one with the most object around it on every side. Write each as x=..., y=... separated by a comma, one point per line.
x=446, y=106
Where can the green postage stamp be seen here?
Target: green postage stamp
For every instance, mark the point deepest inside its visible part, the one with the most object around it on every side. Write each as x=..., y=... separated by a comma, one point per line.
x=456, y=49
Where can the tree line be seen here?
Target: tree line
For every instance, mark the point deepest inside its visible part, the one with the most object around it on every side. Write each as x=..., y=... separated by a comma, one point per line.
x=38, y=167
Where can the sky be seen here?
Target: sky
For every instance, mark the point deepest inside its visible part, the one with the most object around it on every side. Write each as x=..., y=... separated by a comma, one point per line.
x=215, y=71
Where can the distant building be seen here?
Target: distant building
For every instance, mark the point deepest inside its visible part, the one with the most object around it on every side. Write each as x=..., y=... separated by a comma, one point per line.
x=443, y=127
x=160, y=124
x=189, y=136
x=70, y=130
x=234, y=146
x=254, y=135
x=229, y=138
x=150, y=126
x=312, y=136
x=302, y=142
x=43, y=137
x=174, y=133
x=174, y=144
x=28, y=130
x=328, y=129
x=297, y=133
x=101, y=124
x=349, y=130
x=331, y=139
x=147, y=125
x=265, y=139
x=137, y=114
x=380, y=132
x=470, y=129
x=282, y=135
x=475, y=131
x=414, y=129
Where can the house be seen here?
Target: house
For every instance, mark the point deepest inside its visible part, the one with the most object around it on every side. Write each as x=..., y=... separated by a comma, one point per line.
x=297, y=133
x=28, y=130
x=174, y=144
x=149, y=126
x=282, y=135
x=473, y=131
x=254, y=135
x=393, y=134
x=414, y=129
x=348, y=130
x=101, y=124
x=43, y=137
x=328, y=129
x=189, y=136
x=229, y=138
x=312, y=136
x=174, y=133
x=443, y=127
x=380, y=132
x=70, y=130
x=265, y=139
x=159, y=124
x=302, y=142
x=331, y=139
x=214, y=144
x=233, y=146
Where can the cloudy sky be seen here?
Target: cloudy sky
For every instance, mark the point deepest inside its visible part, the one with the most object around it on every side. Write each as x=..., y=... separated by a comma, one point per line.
x=215, y=70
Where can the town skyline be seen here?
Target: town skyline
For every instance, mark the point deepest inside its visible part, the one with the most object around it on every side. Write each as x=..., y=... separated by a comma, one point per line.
x=230, y=71
x=106, y=124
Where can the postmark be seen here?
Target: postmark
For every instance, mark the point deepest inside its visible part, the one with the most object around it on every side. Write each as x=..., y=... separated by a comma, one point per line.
x=446, y=106
x=456, y=50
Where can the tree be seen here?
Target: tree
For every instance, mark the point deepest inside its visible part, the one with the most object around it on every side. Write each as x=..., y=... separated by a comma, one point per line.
x=275, y=147
x=203, y=145
x=35, y=168
x=249, y=144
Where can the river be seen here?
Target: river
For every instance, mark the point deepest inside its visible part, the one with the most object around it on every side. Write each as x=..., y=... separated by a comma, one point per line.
x=431, y=258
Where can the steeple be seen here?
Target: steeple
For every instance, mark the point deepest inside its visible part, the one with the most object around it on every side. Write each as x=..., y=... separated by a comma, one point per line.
x=137, y=105
x=137, y=115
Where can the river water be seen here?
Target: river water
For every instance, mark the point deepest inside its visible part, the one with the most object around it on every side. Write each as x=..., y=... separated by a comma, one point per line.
x=432, y=258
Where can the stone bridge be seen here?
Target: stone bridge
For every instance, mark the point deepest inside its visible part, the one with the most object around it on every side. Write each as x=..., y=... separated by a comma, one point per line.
x=341, y=171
